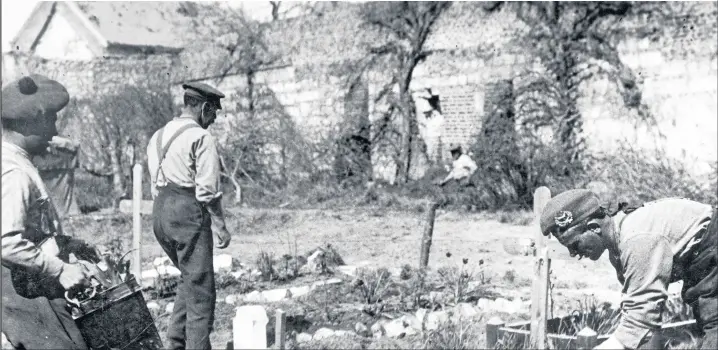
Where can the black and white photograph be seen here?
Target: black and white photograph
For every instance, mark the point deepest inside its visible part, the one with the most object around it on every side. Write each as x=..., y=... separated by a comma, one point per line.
x=359, y=175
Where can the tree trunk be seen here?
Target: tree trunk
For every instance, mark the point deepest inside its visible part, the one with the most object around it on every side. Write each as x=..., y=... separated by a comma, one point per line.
x=406, y=123
x=250, y=94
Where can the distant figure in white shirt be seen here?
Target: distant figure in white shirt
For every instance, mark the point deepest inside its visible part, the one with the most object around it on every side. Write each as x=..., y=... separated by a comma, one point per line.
x=461, y=169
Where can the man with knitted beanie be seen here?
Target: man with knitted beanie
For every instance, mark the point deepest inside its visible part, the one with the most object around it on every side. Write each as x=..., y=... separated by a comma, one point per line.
x=651, y=246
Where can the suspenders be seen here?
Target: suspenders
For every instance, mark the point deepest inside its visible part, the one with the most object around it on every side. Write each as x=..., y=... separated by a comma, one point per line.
x=162, y=152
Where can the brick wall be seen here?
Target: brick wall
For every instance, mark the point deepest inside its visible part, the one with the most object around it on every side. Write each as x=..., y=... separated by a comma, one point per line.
x=679, y=72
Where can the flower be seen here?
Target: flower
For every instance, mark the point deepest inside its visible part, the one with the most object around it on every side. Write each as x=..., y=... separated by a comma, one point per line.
x=481, y=261
x=466, y=261
x=448, y=254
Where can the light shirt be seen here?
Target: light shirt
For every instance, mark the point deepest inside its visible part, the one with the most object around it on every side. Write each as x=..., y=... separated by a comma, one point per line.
x=462, y=167
x=29, y=218
x=191, y=161
x=649, y=241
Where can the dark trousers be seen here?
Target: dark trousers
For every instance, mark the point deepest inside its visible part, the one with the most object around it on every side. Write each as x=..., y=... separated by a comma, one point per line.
x=34, y=321
x=183, y=229
x=700, y=285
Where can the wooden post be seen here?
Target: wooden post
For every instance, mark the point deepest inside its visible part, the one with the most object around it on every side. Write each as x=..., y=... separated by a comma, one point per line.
x=587, y=338
x=542, y=265
x=137, y=222
x=280, y=329
x=492, y=331
x=428, y=233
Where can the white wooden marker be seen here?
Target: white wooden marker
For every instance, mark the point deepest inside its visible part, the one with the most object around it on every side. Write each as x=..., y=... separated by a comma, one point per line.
x=136, y=222
x=542, y=266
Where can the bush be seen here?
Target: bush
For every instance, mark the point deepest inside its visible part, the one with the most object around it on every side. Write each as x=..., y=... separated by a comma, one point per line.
x=637, y=176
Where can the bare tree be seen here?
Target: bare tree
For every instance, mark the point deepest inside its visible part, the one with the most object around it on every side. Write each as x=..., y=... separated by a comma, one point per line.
x=107, y=128
x=406, y=27
x=575, y=42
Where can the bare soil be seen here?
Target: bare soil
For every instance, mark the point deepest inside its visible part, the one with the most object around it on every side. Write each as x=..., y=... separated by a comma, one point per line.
x=372, y=237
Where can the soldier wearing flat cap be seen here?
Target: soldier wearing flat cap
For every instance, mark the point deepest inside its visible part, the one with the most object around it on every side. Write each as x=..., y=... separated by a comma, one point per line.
x=185, y=171
x=34, y=277
x=651, y=246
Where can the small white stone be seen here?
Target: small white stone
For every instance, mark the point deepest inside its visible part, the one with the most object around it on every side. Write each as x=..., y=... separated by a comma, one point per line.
x=254, y=297
x=323, y=333
x=149, y=274
x=222, y=262
x=466, y=310
x=161, y=261
x=377, y=330
x=153, y=305
x=501, y=304
x=304, y=338
x=168, y=270
x=274, y=295
x=170, y=307
x=485, y=304
x=347, y=270
x=230, y=299
x=299, y=291
x=361, y=329
x=395, y=328
x=435, y=319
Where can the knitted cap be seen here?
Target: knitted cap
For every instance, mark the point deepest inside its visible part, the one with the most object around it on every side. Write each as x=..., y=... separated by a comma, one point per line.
x=568, y=209
x=32, y=95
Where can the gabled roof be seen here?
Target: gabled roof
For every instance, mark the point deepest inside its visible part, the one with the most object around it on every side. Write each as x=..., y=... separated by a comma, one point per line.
x=163, y=25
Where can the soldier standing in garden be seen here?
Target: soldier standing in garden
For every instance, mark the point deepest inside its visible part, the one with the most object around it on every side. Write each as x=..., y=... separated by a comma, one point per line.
x=34, y=311
x=651, y=246
x=185, y=171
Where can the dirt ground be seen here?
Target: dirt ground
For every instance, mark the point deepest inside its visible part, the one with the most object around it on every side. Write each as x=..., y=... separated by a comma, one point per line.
x=376, y=238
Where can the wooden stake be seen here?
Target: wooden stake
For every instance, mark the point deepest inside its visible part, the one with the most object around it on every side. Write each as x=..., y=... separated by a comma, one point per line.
x=428, y=233
x=280, y=329
x=542, y=266
x=137, y=222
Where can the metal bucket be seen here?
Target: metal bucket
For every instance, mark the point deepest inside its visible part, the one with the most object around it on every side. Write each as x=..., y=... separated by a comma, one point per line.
x=117, y=318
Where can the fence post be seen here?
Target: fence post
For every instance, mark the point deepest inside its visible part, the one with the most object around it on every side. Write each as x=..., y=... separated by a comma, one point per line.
x=492, y=331
x=137, y=222
x=542, y=265
x=587, y=338
x=428, y=232
x=280, y=329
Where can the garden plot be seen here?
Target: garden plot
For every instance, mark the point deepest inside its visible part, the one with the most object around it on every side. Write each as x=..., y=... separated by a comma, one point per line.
x=369, y=240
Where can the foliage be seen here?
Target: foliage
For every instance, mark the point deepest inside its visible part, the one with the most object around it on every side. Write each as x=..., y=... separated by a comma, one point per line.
x=265, y=265
x=634, y=175
x=455, y=333
x=373, y=285
x=113, y=130
x=574, y=43
x=406, y=26
x=599, y=317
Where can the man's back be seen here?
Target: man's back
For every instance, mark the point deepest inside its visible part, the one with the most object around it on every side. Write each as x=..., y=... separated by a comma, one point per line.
x=191, y=160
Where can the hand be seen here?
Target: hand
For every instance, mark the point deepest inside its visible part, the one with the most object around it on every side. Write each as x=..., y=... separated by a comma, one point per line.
x=223, y=237
x=73, y=276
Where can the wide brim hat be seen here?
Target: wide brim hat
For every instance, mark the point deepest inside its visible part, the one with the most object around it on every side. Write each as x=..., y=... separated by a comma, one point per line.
x=204, y=92
x=568, y=209
x=31, y=96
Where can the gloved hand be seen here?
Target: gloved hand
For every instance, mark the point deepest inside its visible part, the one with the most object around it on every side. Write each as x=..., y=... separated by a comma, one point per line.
x=73, y=277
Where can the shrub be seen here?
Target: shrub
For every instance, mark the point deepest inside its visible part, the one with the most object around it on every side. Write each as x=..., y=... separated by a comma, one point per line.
x=637, y=176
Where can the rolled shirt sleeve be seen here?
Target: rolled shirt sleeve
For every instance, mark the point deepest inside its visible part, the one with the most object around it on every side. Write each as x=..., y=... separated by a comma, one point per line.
x=647, y=263
x=16, y=250
x=207, y=178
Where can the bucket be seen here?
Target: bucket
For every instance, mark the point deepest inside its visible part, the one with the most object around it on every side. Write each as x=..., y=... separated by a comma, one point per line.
x=117, y=318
